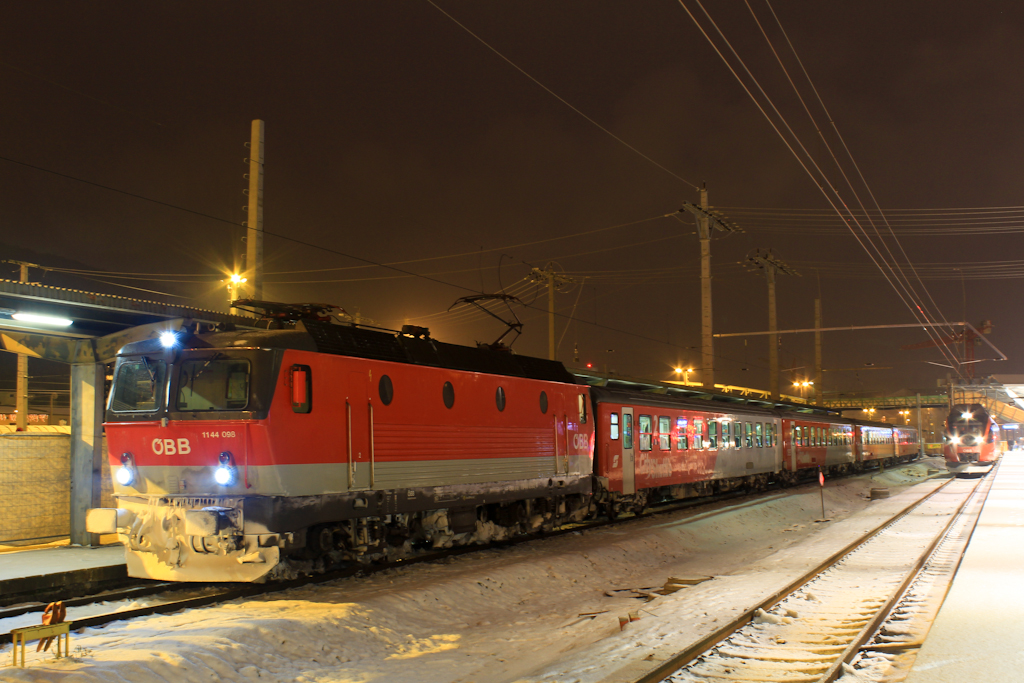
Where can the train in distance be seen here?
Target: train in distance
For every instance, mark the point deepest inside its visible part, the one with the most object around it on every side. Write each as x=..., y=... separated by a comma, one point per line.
x=970, y=443
x=256, y=454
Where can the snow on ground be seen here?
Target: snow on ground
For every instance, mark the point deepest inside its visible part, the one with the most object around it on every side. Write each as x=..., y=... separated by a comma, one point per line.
x=497, y=615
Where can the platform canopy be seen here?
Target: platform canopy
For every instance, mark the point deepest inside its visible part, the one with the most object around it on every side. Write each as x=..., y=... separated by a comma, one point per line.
x=100, y=324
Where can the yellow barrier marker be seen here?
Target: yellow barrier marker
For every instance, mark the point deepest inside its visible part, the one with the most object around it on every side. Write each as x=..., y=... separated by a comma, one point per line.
x=39, y=633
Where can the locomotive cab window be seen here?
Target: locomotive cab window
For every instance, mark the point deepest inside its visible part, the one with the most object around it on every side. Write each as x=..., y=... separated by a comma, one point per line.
x=664, y=433
x=301, y=383
x=213, y=384
x=138, y=385
x=613, y=430
x=645, y=428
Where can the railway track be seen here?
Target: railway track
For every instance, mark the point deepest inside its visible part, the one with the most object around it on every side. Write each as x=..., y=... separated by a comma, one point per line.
x=200, y=595
x=868, y=604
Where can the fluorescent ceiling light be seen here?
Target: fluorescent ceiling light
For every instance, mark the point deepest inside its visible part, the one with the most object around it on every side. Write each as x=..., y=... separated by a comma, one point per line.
x=41, y=319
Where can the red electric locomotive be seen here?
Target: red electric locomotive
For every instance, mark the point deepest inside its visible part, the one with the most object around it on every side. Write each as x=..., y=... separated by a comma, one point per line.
x=970, y=443
x=232, y=450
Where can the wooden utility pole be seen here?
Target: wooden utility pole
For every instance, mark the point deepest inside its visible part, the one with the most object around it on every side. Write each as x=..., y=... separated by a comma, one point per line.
x=553, y=279
x=707, y=222
x=21, y=390
x=254, y=222
x=771, y=265
x=817, y=352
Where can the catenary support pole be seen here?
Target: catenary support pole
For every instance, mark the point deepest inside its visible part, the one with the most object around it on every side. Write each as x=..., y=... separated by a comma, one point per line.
x=817, y=352
x=773, y=339
x=707, y=349
x=86, y=446
x=254, y=221
x=551, y=315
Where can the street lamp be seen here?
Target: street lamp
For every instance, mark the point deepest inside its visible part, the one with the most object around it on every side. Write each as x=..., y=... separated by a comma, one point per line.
x=686, y=374
x=802, y=386
x=234, y=282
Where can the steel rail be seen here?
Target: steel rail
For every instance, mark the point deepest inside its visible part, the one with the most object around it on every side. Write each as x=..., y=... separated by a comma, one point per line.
x=250, y=590
x=695, y=650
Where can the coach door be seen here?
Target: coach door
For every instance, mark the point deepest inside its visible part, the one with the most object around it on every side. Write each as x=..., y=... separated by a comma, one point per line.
x=359, y=432
x=628, y=455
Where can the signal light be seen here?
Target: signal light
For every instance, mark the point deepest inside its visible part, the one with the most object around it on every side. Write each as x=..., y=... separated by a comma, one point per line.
x=590, y=365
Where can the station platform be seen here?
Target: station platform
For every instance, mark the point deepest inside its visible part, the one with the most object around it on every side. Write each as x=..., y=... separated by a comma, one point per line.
x=56, y=572
x=979, y=630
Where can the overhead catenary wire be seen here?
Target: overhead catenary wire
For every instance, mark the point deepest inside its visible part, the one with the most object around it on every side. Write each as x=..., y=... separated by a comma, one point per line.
x=849, y=156
x=557, y=96
x=831, y=194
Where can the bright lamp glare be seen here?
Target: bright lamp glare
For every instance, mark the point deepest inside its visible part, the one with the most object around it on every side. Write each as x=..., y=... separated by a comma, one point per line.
x=125, y=476
x=41, y=319
x=224, y=475
x=168, y=339
x=967, y=416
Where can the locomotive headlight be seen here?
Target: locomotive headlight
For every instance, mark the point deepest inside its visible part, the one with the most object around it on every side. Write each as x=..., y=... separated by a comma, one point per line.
x=226, y=473
x=967, y=415
x=168, y=339
x=125, y=474
x=954, y=439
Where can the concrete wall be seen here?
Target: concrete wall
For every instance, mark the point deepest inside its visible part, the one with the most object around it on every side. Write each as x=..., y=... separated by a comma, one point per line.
x=35, y=483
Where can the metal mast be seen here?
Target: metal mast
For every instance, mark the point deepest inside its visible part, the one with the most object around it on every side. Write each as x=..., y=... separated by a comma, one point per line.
x=254, y=222
x=771, y=265
x=707, y=222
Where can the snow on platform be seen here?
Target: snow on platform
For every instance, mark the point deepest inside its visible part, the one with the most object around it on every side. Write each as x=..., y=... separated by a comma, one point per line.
x=55, y=571
x=978, y=633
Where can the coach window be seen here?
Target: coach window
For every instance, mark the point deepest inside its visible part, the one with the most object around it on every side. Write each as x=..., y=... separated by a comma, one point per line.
x=698, y=434
x=614, y=430
x=759, y=434
x=627, y=432
x=737, y=433
x=682, y=440
x=712, y=434
x=664, y=433
x=770, y=434
x=583, y=408
x=748, y=434
x=645, y=428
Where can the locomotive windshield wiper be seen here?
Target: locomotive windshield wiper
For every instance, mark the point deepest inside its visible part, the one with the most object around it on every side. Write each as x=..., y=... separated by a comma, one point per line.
x=205, y=365
x=152, y=375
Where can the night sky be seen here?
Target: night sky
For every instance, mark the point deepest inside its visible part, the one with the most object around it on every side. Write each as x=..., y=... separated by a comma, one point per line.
x=395, y=136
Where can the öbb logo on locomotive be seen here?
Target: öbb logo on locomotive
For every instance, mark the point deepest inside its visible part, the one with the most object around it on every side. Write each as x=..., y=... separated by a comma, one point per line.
x=341, y=446
x=171, y=446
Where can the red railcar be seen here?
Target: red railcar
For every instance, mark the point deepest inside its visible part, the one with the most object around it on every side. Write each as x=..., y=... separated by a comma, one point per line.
x=971, y=440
